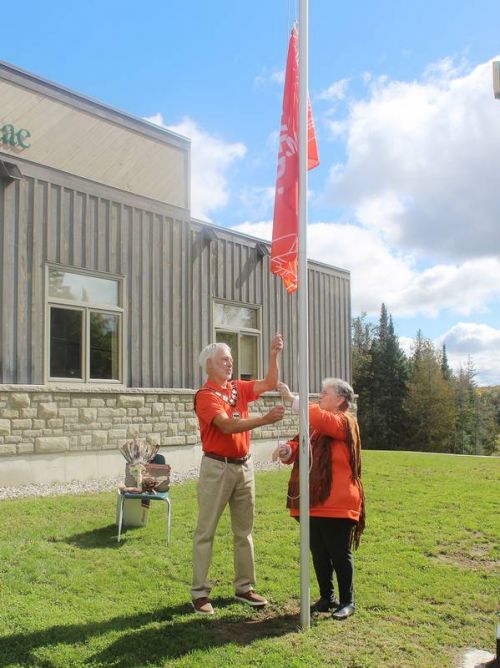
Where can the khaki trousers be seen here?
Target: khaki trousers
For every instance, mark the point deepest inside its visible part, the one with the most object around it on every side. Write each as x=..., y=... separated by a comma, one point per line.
x=218, y=485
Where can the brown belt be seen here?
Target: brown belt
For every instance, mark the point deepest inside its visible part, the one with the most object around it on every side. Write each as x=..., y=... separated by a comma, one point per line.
x=228, y=460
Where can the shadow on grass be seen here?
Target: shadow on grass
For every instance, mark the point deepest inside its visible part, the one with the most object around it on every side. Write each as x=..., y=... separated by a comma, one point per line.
x=151, y=638
x=98, y=538
x=95, y=539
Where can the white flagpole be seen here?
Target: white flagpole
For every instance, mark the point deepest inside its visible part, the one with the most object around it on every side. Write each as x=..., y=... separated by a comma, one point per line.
x=302, y=306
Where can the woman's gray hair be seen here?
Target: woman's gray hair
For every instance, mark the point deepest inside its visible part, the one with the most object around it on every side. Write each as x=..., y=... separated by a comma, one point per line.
x=341, y=388
x=209, y=351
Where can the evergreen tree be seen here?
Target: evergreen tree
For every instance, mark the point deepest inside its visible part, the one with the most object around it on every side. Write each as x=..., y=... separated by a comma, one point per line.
x=430, y=402
x=381, y=373
x=445, y=369
x=362, y=336
x=419, y=403
x=489, y=422
x=467, y=411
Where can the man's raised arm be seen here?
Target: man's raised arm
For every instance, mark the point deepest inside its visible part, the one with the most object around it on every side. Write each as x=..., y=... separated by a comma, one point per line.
x=270, y=381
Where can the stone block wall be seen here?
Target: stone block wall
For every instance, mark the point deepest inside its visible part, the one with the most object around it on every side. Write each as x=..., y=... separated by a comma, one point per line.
x=47, y=420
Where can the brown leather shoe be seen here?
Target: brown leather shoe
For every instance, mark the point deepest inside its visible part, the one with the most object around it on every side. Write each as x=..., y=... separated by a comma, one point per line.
x=251, y=598
x=202, y=606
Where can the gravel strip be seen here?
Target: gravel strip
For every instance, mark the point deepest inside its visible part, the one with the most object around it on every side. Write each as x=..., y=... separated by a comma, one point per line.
x=102, y=485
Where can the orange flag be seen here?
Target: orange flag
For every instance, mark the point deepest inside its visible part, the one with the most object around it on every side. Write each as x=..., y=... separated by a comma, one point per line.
x=284, y=249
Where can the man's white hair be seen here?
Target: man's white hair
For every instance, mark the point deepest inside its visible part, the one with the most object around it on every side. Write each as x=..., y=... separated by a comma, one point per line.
x=341, y=387
x=209, y=351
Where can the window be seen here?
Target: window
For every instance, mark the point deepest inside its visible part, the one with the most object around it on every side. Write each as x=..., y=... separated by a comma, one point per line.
x=66, y=329
x=85, y=327
x=239, y=327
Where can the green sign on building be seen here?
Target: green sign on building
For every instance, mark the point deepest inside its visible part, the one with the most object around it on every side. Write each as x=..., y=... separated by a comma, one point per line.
x=9, y=136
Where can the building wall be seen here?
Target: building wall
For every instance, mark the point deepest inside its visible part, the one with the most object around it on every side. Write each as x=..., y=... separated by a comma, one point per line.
x=44, y=220
x=109, y=194
x=59, y=435
x=172, y=273
x=80, y=137
x=230, y=268
x=329, y=325
x=44, y=420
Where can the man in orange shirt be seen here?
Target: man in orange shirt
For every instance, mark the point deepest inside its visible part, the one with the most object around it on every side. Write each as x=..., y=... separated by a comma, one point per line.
x=226, y=473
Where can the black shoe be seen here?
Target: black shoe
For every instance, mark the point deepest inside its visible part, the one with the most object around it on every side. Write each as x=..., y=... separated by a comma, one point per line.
x=324, y=605
x=344, y=611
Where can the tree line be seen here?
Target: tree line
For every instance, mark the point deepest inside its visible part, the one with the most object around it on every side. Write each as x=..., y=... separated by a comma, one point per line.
x=416, y=402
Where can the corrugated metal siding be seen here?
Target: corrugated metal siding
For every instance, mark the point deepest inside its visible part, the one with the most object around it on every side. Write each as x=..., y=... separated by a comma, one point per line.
x=229, y=268
x=171, y=272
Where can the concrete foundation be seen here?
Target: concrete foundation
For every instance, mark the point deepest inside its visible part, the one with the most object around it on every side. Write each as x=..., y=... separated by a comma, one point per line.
x=94, y=465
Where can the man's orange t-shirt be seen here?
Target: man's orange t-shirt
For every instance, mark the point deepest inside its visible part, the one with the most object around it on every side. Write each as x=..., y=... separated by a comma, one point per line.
x=208, y=405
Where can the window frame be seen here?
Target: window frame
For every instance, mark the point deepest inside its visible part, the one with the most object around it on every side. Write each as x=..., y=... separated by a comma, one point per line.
x=86, y=308
x=249, y=331
x=68, y=307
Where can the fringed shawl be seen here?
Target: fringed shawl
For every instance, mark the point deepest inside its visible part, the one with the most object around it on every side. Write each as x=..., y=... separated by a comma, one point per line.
x=320, y=475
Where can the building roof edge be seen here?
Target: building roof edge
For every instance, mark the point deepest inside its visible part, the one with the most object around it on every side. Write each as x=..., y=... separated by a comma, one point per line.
x=229, y=230
x=33, y=82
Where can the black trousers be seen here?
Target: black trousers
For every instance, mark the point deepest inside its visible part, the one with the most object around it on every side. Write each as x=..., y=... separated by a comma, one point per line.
x=331, y=553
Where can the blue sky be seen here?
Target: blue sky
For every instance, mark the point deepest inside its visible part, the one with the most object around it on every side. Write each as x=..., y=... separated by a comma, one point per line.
x=408, y=130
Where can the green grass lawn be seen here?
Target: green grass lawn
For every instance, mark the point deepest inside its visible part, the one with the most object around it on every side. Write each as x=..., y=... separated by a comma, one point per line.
x=426, y=578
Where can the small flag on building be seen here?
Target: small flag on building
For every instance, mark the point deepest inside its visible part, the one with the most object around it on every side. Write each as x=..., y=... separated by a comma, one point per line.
x=286, y=200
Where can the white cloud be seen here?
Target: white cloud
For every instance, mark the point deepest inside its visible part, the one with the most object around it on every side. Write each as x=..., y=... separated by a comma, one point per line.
x=375, y=273
x=481, y=343
x=446, y=69
x=157, y=119
x=335, y=129
x=211, y=157
x=273, y=76
x=463, y=289
x=272, y=141
x=424, y=162
x=278, y=77
x=468, y=341
x=258, y=201
x=336, y=91
x=262, y=229
x=407, y=344
x=381, y=275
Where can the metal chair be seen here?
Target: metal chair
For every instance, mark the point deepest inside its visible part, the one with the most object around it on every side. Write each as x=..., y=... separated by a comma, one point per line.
x=159, y=496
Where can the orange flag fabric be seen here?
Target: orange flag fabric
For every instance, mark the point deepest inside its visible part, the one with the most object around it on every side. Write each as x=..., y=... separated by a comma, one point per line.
x=285, y=244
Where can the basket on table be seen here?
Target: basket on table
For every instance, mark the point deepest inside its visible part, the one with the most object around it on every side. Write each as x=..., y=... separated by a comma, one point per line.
x=141, y=472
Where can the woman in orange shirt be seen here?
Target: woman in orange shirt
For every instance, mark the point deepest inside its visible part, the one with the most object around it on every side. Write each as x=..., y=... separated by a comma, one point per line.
x=337, y=516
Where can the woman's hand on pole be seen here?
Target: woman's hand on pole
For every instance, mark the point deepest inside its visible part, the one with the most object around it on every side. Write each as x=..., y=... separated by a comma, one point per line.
x=286, y=395
x=282, y=452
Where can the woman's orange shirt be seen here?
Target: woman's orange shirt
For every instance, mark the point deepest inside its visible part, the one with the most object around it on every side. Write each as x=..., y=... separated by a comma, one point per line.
x=345, y=497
